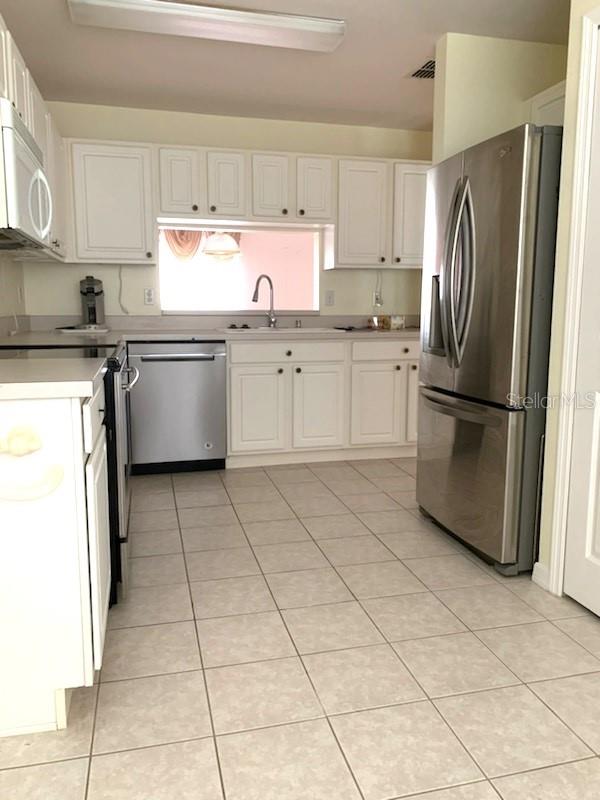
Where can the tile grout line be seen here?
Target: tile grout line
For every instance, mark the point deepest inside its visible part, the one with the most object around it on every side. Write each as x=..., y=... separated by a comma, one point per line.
x=208, y=702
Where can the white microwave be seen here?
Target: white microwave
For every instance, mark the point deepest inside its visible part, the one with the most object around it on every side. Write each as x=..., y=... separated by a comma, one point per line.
x=26, y=199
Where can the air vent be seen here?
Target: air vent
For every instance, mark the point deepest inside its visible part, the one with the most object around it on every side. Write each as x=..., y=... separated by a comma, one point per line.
x=427, y=71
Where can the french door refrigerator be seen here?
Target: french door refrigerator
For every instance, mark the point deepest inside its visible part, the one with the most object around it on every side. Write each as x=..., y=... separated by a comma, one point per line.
x=488, y=268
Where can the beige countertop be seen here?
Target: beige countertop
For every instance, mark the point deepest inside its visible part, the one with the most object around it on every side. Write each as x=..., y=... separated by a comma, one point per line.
x=56, y=339
x=45, y=378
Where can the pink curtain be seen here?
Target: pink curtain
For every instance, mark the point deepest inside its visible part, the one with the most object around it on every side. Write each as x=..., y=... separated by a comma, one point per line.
x=184, y=244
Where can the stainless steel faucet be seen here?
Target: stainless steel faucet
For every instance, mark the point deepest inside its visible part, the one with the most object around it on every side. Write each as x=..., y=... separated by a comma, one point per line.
x=271, y=312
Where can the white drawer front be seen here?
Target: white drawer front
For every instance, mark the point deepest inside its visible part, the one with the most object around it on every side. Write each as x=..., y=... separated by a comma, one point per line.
x=277, y=352
x=385, y=351
x=93, y=417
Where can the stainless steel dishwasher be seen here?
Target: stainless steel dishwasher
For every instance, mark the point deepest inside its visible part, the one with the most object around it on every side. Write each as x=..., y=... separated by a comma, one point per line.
x=178, y=406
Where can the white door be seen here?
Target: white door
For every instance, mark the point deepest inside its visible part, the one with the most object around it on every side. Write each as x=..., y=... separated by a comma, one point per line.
x=260, y=408
x=410, y=182
x=179, y=180
x=19, y=80
x=96, y=485
x=363, y=217
x=412, y=404
x=582, y=557
x=319, y=405
x=314, y=188
x=270, y=186
x=226, y=183
x=57, y=177
x=113, y=202
x=37, y=119
x=378, y=413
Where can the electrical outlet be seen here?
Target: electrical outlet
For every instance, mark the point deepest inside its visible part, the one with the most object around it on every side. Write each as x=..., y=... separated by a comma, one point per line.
x=149, y=296
x=377, y=299
x=329, y=297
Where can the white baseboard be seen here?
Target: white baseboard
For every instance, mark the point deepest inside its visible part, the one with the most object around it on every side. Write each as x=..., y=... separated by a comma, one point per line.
x=541, y=575
x=310, y=456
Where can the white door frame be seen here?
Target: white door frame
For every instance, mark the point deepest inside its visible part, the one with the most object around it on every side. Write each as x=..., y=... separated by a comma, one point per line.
x=590, y=49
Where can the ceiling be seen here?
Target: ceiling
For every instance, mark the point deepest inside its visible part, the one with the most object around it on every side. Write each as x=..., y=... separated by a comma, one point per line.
x=364, y=82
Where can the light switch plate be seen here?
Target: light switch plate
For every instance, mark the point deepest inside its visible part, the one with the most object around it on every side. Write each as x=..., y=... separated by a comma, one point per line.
x=329, y=297
x=149, y=296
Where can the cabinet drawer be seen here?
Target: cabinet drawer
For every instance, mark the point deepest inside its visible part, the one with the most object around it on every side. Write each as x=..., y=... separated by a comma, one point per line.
x=93, y=417
x=275, y=352
x=385, y=351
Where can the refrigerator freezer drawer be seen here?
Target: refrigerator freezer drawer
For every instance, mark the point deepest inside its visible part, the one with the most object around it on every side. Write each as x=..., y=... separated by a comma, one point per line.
x=469, y=471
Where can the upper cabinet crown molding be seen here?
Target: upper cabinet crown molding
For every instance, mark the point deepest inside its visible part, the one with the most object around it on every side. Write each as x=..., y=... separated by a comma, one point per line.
x=114, y=219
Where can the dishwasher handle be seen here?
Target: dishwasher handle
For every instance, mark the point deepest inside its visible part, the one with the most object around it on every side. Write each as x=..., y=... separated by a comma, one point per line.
x=162, y=357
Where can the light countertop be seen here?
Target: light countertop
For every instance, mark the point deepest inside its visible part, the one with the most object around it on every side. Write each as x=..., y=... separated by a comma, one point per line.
x=57, y=339
x=43, y=378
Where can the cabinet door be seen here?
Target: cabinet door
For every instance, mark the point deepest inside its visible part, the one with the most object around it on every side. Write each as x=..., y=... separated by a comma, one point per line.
x=313, y=187
x=363, y=217
x=57, y=176
x=5, y=90
x=96, y=485
x=19, y=80
x=259, y=408
x=410, y=183
x=270, y=186
x=113, y=202
x=227, y=183
x=179, y=180
x=37, y=119
x=412, y=404
x=319, y=405
x=378, y=403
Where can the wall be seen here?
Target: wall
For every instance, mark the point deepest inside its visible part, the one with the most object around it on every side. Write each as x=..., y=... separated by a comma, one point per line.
x=53, y=288
x=11, y=292
x=578, y=9
x=481, y=84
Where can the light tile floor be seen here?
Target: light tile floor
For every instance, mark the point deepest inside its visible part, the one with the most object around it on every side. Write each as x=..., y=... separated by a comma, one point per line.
x=302, y=633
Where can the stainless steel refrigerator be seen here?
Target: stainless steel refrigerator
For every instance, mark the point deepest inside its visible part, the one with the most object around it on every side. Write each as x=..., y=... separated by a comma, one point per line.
x=488, y=268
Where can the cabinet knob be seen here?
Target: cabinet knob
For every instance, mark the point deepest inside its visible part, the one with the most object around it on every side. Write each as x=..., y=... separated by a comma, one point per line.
x=195, y=207
x=213, y=208
x=148, y=254
x=284, y=211
x=288, y=352
x=298, y=369
x=397, y=259
x=414, y=366
x=406, y=349
x=280, y=371
x=398, y=367
x=382, y=259
x=301, y=212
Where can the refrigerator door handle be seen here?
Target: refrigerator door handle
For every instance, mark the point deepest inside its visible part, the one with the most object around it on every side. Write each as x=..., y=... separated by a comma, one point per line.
x=461, y=317
x=460, y=409
x=446, y=276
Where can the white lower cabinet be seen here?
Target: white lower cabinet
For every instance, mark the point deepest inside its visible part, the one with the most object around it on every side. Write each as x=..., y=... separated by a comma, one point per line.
x=412, y=405
x=318, y=405
x=378, y=414
x=258, y=404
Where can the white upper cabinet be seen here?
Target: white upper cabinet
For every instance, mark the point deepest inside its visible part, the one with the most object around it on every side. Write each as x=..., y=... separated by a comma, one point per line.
x=57, y=176
x=18, y=80
x=112, y=196
x=363, y=225
x=270, y=185
x=548, y=107
x=226, y=183
x=180, y=191
x=314, y=178
x=37, y=119
x=4, y=65
x=410, y=184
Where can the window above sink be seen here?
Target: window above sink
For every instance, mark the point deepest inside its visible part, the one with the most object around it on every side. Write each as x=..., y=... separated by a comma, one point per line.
x=204, y=270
